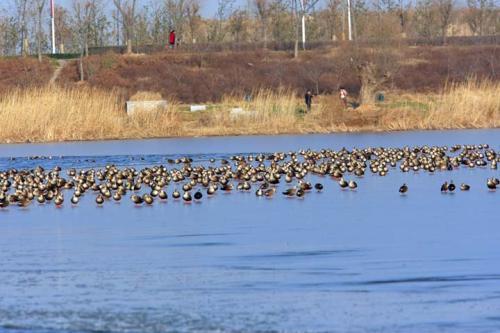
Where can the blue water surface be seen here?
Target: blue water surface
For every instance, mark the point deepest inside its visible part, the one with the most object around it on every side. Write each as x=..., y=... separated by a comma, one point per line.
x=369, y=260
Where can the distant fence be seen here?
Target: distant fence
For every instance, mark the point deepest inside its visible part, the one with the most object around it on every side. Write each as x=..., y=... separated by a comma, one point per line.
x=282, y=46
x=289, y=46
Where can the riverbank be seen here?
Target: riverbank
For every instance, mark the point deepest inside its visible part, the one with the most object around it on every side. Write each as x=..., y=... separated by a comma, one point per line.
x=55, y=114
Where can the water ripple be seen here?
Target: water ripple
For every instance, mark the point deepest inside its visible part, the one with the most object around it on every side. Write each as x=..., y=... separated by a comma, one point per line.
x=456, y=278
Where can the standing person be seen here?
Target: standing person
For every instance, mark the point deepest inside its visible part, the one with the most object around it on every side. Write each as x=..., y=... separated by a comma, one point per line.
x=171, y=39
x=343, y=96
x=308, y=98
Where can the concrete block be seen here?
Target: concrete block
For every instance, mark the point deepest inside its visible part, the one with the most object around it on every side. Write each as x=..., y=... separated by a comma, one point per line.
x=196, y=108
x=236, y=111
x=239, y=112
x=135, y=106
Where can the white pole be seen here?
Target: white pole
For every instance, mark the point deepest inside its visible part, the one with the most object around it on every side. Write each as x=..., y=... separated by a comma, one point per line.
x=349, y=18
x=303, y=11
x=304, y=32
x=52, y=12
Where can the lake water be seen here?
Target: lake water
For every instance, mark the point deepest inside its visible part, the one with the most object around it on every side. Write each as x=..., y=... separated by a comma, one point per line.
x=369, y=260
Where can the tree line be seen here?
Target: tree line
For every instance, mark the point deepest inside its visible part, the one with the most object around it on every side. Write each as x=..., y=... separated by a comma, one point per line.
x=25, y=24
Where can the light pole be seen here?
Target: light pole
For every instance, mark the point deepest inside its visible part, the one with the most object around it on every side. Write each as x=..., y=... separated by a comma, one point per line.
x=53, y=26
x=349, y=23
x=303, y=8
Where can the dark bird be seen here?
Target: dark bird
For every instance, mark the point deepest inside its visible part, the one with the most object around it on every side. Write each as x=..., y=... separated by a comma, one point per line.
x=451, y=186
x=136, y=199
x=187, y=197
x=75, y=200
x=148, y=199
x=290, y=192
x=117, y=196
x=444, y=187
x=464, y=187
x=305, y=186
x=491, y=184
x=318, y=186
x=403, y=189
x=269, y=192
x=198, y=195
x=227, y=187
x=59, y=200
x=211, y=189
x=40, y=199
x=99, y=199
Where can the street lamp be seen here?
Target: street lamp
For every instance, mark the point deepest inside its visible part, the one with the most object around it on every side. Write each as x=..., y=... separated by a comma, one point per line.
x=53, y=26
x=349, y=21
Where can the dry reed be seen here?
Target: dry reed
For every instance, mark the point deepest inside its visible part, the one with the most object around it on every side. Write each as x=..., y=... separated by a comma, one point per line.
x=82, y=113
x=473, y=104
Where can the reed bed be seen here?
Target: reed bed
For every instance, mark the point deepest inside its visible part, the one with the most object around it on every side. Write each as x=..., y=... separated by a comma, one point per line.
x=83, y=113
x=473, y=104
x=75, y=114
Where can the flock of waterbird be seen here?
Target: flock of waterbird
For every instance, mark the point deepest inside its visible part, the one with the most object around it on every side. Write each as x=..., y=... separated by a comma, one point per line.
x=262, y=173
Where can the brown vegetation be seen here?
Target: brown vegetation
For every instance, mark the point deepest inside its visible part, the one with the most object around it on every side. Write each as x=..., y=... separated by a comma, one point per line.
x=58, y=114
x=24, y=73
x=208, y=77
x=425, y=88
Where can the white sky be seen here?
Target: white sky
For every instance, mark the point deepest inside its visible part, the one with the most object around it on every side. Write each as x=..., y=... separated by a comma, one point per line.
x=208, y=6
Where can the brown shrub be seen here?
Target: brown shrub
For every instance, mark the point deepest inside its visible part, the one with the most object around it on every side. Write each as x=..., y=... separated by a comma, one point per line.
x=83, y=113
x=24, y=72
x=209, y=76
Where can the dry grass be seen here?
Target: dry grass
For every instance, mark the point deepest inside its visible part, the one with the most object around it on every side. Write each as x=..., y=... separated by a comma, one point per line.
x=473, y=104
x=58, y=114
x=146, y=96
x=65, y=114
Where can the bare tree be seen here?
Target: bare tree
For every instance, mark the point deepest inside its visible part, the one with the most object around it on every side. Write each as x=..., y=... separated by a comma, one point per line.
x=333, y=18
x=81, y=21
x=39, y=6
x=9, y=35
x=479, y=15
x=98, y=24
x=445, y=10
x=280, y=21
x=296, y=26
x=237, y=24
x=21, y=12
x=156, y=22
x=425, y=19
x=3, y=34
x=193, y=18
x=300, y=9
x=127, y=11
x=175, y=12
x=64, y=34
x=262, y=9
x=117, y=31
x=403, y=13
x=142, y=34
x=224, y=11
x=375, y=67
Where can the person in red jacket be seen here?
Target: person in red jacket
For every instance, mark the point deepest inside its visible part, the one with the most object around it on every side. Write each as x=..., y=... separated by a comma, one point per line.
x=171, y=39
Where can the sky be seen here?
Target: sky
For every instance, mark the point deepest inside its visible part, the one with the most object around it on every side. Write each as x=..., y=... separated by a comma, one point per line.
x=208, y=6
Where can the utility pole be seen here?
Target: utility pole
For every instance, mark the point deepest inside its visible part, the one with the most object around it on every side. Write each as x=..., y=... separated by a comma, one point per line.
x=305, y=7
x=302, y=7
x=53, y=26
x=349, y=21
